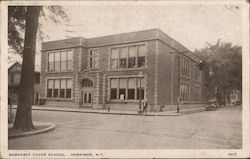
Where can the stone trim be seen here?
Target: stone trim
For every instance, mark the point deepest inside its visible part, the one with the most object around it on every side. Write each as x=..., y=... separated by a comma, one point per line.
x=104, y=89
x=156, y=74
x=76, y=89
x=80, y=59
x=97, y=89
x=172, y=74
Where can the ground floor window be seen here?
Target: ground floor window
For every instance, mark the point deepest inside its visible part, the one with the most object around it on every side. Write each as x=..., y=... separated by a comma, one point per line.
x=127, y=88
x=59, y=88
x=185, y=92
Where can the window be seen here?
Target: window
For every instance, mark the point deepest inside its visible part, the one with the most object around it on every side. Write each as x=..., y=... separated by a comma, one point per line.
x=196, y=93
x=68, y=88
x=63, y=61
x=141, y=55
x=132, y=57
x=114, y=58
x=128, y=57
x=123, y=57
x=126, y=88
x=69, y=60
x=87, y=83
x=184, y=90
x=63, y=89
x=56, y=88
x=185, y=67
x=60, y=61
x=50, y=88
x=94, y=58
x=113, y=88
x=57, y=61
x=122, y=88
x=131, y=88
x=51, y=62
x=59, y=88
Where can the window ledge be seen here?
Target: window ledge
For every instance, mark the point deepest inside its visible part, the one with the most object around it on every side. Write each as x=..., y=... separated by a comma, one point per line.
x=127, y=69
x=59, y=72
x=124, y=101
x=196, y=102
x=59, y=99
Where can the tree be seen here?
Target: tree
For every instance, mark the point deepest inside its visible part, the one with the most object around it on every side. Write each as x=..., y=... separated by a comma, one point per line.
x=23, y=118
x=25, y=20
x=225, y=65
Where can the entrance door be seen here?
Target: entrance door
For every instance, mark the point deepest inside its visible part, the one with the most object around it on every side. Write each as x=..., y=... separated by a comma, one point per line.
x=87, y=99
x=87, y=93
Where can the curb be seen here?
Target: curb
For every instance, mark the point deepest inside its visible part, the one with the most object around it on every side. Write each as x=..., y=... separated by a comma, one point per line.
x=185, y=112
x=109, y=113
x=50, y=128
x=79, y=111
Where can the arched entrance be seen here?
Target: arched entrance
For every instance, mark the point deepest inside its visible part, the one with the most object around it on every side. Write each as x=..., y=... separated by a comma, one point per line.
x=87, y=88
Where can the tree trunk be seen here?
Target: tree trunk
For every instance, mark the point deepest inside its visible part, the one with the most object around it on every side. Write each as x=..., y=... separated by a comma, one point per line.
x=23, y=120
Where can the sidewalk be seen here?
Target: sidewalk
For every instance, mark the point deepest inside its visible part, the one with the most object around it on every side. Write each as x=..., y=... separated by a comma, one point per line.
x=116, y=112
x=41, y=127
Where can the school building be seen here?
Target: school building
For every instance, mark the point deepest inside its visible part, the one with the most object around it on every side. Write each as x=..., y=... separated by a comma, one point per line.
x=119, y=71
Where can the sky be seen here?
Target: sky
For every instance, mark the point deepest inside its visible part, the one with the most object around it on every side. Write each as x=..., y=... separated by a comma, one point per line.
x=192, y=25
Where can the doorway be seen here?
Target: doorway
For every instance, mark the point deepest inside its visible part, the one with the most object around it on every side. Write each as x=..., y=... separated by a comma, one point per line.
x=87, y=98
x=87, y=89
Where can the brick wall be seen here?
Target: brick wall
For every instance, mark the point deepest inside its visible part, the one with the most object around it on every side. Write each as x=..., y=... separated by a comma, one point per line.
x=158, y=71
x=164, y=75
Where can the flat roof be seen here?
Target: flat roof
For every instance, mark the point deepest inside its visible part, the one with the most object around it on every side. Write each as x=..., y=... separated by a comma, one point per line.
x=123, y=38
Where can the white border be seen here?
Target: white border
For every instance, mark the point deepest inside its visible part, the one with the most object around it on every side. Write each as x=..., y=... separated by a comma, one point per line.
x=174, y=153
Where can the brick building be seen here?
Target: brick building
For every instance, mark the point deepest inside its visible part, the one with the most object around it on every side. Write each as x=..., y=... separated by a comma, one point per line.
x=104, y=71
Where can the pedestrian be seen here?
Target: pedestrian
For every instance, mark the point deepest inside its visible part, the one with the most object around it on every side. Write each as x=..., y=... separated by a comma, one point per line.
x=145, y=106
x=161, y=108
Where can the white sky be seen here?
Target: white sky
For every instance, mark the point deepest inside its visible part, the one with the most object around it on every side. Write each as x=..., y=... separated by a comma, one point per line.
x=191, y=25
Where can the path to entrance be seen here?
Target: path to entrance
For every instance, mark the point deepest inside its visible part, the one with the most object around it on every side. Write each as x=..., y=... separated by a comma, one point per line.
x=211, y=129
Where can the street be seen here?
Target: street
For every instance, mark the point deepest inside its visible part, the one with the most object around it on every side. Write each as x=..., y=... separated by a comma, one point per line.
x=220, y=129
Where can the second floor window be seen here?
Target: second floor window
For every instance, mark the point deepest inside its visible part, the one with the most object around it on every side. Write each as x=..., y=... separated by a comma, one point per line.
x=127, y=57
x=60, y=61
x=94, y=58
x=185, y=67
